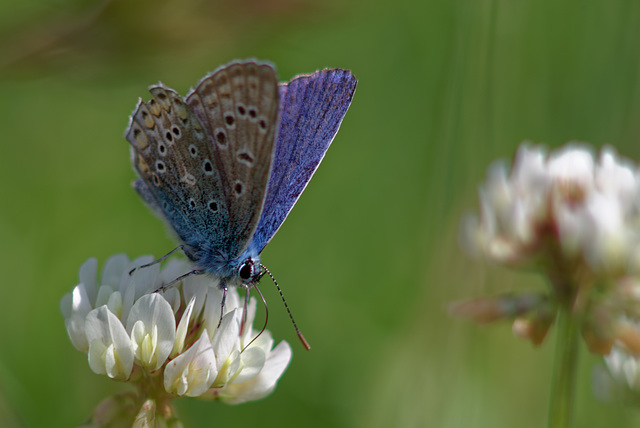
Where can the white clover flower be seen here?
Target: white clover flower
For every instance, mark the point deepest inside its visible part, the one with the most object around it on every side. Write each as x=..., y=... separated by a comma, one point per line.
x=117, y=289
x=152, y=327
x=624, y=367
x=192, y=372
x=272, y=363
x=575, y=217
x=566, y=204
x=619, y=378
x=110, y=348
x=169, y=343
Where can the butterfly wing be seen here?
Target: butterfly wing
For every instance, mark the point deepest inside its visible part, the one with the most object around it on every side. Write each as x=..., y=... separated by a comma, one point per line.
x=311, y=110
x=204, y=161
x=168, y=145
x=238, y=107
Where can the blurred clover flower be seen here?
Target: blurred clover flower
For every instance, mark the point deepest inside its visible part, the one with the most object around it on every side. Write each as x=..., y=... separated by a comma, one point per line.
x=575, y=218
x=618, y=380
x=167, y=343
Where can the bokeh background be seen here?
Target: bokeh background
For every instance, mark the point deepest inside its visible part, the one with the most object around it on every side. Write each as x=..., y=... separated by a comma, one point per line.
x=369, y=258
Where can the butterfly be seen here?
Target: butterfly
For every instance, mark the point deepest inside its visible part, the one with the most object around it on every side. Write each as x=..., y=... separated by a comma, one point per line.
x=224, y=166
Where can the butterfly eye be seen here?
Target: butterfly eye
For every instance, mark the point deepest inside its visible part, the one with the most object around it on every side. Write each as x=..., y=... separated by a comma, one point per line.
x=246, y=270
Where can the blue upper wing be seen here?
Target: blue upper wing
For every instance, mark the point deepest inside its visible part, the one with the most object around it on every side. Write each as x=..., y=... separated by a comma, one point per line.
x=311, y=110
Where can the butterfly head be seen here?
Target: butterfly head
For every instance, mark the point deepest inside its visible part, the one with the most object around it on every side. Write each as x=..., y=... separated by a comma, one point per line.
x=249, y=272
x=243, y=271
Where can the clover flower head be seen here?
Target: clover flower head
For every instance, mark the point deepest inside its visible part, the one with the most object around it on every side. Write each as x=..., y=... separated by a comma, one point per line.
x=168, y=342
x=567, y=207
x=574, y=216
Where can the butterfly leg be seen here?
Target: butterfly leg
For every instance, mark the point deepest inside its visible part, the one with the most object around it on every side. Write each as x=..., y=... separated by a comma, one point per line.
x=266, y=313
x=178, y=279
x=160, y=260
x=244, y=311
x=246, y=300
x=223, y=285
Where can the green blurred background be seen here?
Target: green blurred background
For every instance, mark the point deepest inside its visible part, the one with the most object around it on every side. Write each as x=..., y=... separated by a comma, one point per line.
x=369, y=258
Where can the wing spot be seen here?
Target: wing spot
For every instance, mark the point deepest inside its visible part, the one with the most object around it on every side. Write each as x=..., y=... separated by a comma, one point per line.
x=263, y=124
x=142, y=165
x=229, y=120
x=213, y=206
x=160, y=166
x=155, y=108
x=140, y=138
x=148, y=120
x=189, y=179
x=176, y=131
x=180, y=110
x=162, y=148
x=155, y=180
x=253, y=113
x=207, y=167
x=242, y=111
x=221, y=138
x=208, y=95
x=245, y=157
x=168, y=136
x=193, y=150
x=238, y=188
x=192, y=203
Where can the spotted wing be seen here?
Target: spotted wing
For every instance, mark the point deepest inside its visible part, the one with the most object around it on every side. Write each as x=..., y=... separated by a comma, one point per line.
x=238, y=107
x=171, y=153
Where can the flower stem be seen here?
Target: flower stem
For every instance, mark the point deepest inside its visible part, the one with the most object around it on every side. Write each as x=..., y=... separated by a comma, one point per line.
x=564, y=371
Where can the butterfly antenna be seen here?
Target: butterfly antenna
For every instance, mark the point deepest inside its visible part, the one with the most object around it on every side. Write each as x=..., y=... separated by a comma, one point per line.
x=298, y=332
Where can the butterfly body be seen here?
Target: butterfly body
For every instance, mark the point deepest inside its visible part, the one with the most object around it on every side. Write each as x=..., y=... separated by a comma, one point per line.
x=224, y=165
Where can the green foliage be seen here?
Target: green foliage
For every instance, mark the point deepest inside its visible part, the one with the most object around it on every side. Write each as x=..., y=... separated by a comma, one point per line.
x=368, y=259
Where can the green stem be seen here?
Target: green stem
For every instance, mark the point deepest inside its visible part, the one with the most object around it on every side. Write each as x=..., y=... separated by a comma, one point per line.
x=564, y=371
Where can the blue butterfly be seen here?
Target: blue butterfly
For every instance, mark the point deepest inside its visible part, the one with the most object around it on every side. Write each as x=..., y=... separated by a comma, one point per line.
x=225, y=165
